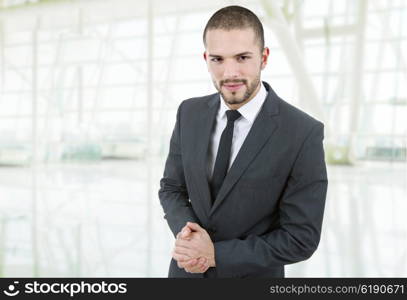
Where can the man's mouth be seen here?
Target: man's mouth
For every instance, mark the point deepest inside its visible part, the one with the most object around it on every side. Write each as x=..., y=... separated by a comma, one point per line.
x=233, y=86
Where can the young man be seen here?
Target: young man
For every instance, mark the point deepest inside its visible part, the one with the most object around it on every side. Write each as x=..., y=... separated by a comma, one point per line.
x=245, y=180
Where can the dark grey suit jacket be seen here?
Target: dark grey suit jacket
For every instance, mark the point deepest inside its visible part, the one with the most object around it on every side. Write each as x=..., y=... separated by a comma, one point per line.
x=269, y=210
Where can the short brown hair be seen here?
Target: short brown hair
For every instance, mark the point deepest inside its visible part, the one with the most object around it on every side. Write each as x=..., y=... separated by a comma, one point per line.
x=235, y=17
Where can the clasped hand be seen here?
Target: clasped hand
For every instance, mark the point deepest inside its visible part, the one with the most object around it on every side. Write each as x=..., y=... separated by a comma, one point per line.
x=194, y=250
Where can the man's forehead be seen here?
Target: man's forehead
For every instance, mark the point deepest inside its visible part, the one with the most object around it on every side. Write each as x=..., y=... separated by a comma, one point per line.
x=230, y=42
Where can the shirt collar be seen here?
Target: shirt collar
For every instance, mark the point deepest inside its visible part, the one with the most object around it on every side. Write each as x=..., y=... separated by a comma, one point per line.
x=250, y=110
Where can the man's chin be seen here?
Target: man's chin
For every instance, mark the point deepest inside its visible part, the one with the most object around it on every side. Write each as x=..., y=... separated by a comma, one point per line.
x=234, y=101
x=233, y=98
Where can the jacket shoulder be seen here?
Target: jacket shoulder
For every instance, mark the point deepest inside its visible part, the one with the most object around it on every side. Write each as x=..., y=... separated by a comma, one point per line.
x=197, y=102
x=297, y=117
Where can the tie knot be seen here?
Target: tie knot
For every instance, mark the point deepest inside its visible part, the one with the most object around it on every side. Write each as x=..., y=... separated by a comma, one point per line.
x=232, y=115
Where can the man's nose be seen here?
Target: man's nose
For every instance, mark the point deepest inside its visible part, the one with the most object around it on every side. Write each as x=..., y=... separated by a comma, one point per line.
x=231, y=70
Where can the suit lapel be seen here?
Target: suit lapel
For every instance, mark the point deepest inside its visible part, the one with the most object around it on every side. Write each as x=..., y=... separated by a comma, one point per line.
x=203, y=134
x=261, y=131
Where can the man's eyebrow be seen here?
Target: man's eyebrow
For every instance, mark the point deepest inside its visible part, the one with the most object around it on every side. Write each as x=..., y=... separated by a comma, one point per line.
x=244, y=53
x=239, y=54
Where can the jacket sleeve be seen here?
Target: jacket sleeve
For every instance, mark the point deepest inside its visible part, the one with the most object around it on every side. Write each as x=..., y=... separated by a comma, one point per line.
x=173, y=193
x=301, y=211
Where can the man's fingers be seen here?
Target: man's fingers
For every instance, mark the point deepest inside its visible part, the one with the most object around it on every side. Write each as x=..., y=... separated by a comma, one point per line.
x=191, y=252
x=180, y=253
x=184, y=251
x=202, y=262
x=180, y=257
x=194, y=226
x=187, y=263
x=183, y=243
x=201, y=266
x=191, y=263
x=185, y=232
x=197, y=269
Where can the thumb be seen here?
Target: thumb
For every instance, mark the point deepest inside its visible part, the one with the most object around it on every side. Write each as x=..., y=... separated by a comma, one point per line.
x=194, y=226
x=185, y=232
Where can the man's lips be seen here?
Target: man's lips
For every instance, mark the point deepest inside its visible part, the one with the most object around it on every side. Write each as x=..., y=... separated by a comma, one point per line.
x=233, y=86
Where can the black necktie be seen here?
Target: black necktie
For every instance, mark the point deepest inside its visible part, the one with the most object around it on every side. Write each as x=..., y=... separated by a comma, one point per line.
x=223, y=156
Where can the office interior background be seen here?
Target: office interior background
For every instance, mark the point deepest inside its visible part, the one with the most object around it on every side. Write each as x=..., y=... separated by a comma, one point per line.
x=88, y=97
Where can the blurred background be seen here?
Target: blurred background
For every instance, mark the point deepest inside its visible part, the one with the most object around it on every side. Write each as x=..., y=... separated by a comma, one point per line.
x=88, y=97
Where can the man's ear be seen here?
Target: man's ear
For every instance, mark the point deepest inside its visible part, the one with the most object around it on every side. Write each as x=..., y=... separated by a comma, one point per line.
x=205, y=56
x=264, y=57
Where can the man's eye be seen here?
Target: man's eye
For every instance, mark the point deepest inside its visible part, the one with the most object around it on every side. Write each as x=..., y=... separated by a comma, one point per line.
x=243, y=57
x=216, y=59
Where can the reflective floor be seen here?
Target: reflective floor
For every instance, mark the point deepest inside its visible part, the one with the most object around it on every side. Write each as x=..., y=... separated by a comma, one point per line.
x=104, y=219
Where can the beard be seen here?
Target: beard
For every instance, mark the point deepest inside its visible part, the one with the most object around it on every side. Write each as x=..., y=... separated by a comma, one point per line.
x=234, y=98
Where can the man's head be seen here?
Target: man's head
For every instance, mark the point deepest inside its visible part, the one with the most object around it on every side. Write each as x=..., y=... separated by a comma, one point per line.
x=235, y=53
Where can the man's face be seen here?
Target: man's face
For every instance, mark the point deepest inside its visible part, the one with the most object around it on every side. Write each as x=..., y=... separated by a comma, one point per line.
x=234, y=61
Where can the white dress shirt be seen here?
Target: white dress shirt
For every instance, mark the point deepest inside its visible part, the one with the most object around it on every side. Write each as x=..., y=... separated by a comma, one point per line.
x=242, y=126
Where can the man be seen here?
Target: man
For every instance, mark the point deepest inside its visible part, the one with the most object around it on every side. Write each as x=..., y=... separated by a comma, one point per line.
x=245, y=180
